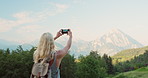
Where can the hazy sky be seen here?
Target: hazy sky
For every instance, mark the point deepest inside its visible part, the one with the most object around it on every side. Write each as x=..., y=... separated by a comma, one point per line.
x=25, y=20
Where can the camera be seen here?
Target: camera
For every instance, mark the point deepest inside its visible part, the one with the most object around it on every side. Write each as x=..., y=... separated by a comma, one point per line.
x=65, y=31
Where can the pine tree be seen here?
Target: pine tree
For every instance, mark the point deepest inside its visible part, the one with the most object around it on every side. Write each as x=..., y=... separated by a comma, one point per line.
x=108, y=63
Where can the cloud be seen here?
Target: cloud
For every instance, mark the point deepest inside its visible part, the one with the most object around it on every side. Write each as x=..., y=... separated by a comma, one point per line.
x=56, y=9
x=21, y=15
x=29, y=29
x=29, y=33
x=22, y=18
x=5, y=25
x=78, y=1
x=61, y=7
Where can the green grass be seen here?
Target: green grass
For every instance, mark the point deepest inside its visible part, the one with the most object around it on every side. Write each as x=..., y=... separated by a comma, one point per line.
x=139, y=73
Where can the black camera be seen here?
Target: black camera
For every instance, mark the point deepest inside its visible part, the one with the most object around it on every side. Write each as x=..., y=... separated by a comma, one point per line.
x=65, y=31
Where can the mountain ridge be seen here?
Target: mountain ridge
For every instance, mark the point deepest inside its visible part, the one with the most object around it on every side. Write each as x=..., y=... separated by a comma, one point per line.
x=129, y=54
x=115, y=41
x=110, y=43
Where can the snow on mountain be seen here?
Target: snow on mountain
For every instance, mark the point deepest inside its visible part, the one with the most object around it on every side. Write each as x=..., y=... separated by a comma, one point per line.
x=113, y=42
x=110, y=43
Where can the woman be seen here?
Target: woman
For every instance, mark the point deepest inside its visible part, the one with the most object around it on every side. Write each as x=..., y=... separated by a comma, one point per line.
x=46, y=49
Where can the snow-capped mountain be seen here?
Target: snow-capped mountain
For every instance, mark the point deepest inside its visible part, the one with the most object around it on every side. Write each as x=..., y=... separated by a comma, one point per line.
x=113, y=42
x=110, y=43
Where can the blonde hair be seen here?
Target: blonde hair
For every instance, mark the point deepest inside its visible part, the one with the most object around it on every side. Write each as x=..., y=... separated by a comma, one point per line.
x=45, y=47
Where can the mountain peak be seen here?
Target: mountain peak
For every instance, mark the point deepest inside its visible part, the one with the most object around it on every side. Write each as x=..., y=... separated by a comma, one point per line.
x=115, y=30
x=114, y=41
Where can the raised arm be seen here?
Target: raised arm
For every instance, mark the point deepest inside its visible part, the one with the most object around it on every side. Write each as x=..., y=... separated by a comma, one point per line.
x=64, y=51
x=58, y=35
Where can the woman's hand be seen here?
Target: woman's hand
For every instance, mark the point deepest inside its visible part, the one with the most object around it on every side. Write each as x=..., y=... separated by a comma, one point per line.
x=69, y=33
x=58, y=34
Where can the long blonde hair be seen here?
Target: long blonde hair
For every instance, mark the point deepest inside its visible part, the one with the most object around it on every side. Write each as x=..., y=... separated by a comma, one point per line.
x=45, y=47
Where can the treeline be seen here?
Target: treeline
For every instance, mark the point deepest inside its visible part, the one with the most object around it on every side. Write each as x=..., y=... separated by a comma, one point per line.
x=135, y=63
x=18, y=64
x=94, y=66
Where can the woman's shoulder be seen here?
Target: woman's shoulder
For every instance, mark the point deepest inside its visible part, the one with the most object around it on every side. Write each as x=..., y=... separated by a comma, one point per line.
x=58, y=53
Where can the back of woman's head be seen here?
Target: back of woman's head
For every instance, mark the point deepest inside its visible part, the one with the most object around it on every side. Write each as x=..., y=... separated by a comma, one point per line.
x=45, y=47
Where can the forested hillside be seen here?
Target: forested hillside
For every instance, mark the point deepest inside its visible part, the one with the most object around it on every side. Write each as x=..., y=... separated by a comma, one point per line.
x=128, y=54
x=135, y=63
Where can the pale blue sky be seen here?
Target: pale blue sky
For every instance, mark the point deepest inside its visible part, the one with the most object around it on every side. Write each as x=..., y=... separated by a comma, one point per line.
x=25, y=20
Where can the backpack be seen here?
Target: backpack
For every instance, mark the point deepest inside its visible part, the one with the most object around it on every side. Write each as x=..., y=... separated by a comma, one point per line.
x=41, y=69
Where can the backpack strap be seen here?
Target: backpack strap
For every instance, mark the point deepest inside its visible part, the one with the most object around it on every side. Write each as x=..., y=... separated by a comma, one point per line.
x=47, y=60
x=51, y=62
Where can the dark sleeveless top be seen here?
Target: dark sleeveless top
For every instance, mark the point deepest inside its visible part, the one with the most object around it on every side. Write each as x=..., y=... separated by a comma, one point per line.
x=55, y=70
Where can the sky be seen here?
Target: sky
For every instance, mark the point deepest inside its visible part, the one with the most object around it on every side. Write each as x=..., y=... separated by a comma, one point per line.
x=24, y=21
